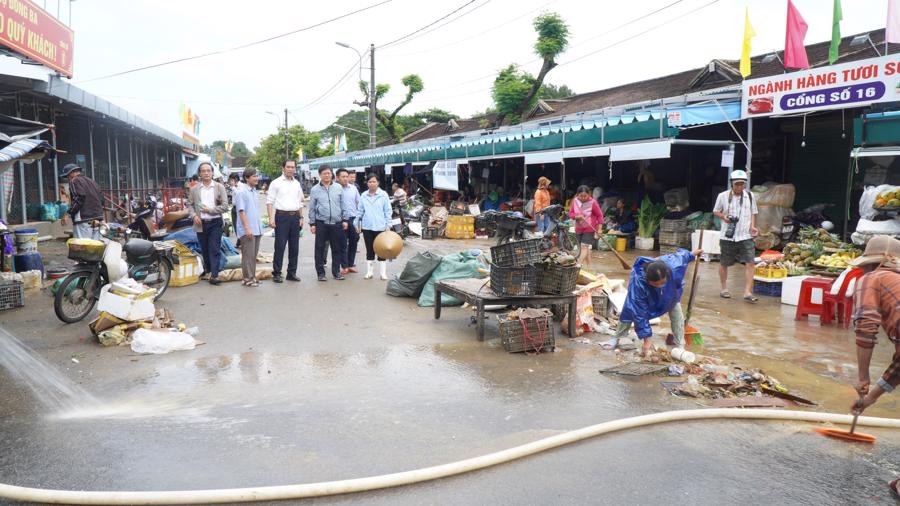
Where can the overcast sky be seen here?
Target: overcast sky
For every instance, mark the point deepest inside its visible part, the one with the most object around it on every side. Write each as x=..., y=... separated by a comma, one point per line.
x=456, y=58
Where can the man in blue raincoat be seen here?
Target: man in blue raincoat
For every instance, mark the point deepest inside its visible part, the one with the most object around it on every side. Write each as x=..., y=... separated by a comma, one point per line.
x=655, y=289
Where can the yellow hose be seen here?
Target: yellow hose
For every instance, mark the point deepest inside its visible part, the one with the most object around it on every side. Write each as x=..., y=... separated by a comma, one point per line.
x=420, y=475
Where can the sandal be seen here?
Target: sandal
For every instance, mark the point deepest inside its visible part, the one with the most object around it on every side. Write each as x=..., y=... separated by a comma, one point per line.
x=894, y=489
x=751, y=299
x=725, y=294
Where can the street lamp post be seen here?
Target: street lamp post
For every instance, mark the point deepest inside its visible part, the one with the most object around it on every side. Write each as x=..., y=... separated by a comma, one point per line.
x=287, y=149
x=370, y=99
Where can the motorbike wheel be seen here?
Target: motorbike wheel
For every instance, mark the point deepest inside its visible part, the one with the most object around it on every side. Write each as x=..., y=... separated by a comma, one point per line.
x=74, y=299
x=568, y=243
x=163, y=276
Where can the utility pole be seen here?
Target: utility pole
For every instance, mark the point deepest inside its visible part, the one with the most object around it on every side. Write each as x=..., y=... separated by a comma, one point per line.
x=372, y=140
x=287, y=148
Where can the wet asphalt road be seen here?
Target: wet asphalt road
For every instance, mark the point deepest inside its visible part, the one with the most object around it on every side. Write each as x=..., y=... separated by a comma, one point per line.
x=322, y=381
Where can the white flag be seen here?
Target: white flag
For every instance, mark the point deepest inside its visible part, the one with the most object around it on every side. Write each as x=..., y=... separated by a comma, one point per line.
x=892, y=28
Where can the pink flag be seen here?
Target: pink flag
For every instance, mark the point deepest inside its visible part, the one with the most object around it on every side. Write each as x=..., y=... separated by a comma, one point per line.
x=892, y=31
x=794, y=50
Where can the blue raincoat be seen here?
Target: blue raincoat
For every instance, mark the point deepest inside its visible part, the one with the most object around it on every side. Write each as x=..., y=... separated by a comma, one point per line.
x=644, y=302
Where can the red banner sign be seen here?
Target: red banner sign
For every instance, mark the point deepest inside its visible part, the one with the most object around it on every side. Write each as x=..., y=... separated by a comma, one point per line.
x=31, y=32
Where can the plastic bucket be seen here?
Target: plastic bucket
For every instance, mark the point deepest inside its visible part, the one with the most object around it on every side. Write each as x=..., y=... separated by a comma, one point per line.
x=621, y=244
x=26, y=240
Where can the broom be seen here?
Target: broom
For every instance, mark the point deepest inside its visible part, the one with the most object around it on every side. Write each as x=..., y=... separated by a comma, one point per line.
x=691, y=335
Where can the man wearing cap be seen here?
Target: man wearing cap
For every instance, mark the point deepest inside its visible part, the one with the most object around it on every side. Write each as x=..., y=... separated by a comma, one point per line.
x=737, y=210
x=876, y=303
x=87, y=204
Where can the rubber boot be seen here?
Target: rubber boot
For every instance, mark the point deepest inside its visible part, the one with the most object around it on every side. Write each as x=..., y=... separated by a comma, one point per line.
x=370, y=264
x=383, y=267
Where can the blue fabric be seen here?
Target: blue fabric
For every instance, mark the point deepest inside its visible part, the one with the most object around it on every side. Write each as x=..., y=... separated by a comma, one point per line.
x=644, y=302
x=375, y=211
x=350, y=202
x=246, y=199
x=189, y=238
x=325, y=203
x=709, y=113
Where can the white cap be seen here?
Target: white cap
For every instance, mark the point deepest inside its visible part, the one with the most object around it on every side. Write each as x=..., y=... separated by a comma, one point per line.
x=738, y=175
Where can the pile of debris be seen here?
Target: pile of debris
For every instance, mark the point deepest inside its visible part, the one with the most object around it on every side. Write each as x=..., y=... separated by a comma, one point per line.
x=129, y=317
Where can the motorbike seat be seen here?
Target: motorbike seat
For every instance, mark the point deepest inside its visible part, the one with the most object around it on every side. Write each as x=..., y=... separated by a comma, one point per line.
x=138, y=248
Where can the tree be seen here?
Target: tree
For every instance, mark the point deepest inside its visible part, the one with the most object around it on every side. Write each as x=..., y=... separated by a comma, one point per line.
x=358, y=121
x=514, y=91
x=238, y=149
x=269, y=155
x=390, y=122
x=551, y=91
x=434, y=115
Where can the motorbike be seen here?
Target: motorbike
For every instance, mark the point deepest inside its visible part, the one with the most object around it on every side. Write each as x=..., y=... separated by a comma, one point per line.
x=399, y=222
x=509, y=226
x=557, y=235
x=97, y=266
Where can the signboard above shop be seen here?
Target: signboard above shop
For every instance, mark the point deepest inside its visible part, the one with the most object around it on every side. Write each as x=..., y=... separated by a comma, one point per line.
x=853, y=84
x=32, y=33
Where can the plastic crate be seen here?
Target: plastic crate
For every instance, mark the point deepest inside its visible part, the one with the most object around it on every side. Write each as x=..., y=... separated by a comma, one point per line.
x=771, y=272
x=532, y=334
x=85, y=250
x=12, y=294
x=557, y=279
x=767, y=288
x=431, y=232
x=514, y=281
x=674, y=226
x=600, y=303
x=517, y=254
x=680, y=239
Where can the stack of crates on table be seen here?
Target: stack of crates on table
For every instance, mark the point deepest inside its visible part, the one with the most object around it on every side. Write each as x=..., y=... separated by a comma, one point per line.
x=674, y=235
x=514, y=267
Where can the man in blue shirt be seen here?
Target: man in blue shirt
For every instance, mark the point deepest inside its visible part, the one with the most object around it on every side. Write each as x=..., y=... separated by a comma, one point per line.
x=350, y=206
x=248, y=226
x=326, y=219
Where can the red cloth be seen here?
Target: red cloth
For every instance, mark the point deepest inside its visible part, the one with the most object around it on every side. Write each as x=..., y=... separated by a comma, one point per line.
x=591, y=222
x=794, y=49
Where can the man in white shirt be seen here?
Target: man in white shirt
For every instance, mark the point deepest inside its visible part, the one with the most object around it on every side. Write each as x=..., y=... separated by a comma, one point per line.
x=737, y=210
x=284, y=203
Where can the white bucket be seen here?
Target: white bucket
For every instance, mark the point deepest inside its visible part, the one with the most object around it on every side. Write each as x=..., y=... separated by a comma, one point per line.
x=26, y=240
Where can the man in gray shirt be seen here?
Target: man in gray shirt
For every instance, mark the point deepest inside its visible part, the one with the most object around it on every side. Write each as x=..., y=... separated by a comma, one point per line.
x=326, y=219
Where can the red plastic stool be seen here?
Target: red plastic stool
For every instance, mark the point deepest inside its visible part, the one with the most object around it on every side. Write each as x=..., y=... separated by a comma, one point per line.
x=805, y=306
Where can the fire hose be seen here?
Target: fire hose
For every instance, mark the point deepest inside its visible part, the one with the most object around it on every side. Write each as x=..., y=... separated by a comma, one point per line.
x=357, y=485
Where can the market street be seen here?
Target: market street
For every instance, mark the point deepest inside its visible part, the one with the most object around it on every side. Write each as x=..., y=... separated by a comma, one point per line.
x=337, y=380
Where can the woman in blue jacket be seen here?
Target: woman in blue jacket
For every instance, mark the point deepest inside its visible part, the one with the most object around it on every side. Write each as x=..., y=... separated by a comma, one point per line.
x=374, y=218
x=655, y=289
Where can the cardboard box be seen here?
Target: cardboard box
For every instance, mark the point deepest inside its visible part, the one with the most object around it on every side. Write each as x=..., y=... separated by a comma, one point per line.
x=185, y=270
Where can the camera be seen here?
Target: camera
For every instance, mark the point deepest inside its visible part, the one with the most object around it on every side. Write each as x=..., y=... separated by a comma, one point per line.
x=732, y=226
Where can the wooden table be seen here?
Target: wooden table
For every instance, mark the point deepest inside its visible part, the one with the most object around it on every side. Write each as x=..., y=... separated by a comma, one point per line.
x=478, y=293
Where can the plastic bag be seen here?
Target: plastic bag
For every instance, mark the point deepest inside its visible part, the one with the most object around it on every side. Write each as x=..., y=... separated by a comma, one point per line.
x=456, y=266
x=160, y=342
x=412, y=280
x=867, y=201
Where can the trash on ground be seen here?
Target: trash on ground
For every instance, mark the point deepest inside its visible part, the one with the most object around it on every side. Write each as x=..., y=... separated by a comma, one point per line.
x=161, y=341
x=634, y=369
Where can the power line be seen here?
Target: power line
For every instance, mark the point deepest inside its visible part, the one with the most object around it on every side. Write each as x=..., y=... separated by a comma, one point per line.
x=243, y=46
x=588, y=54
x=457, y=18
x=333, y=87
x=639, y=34
x=429, y=25
x=482, y=32
x=612, y=30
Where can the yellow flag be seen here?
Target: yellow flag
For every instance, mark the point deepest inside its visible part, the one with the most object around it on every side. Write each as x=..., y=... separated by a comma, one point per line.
x=749, y=33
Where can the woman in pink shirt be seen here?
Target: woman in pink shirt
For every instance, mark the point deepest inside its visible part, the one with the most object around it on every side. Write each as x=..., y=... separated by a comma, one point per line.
x=588, y=220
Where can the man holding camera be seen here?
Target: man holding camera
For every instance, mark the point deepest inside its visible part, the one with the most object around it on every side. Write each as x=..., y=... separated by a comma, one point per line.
x=737, y=210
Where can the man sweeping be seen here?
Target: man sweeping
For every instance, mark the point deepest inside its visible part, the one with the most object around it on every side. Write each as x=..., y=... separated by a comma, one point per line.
x=655, y=288
x=876, y=303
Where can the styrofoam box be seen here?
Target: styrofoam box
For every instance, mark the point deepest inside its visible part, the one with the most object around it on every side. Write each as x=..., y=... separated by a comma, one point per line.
x=790, y=291
x=710, y=241
x=125, y=308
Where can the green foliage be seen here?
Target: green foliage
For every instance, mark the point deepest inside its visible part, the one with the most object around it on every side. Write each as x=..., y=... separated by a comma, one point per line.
x=514, y=91
x=394, y=127
x=269, y=155
x=239, y=149
x=551, y=91
x=553, y=35
x=510, y=89
x=649, y=217
x=434, y=115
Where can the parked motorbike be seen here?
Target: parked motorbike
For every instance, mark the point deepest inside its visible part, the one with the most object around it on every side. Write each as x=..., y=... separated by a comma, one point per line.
x=399, y=222
x=557, y=235
x=509, y=226
x=146, y=262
